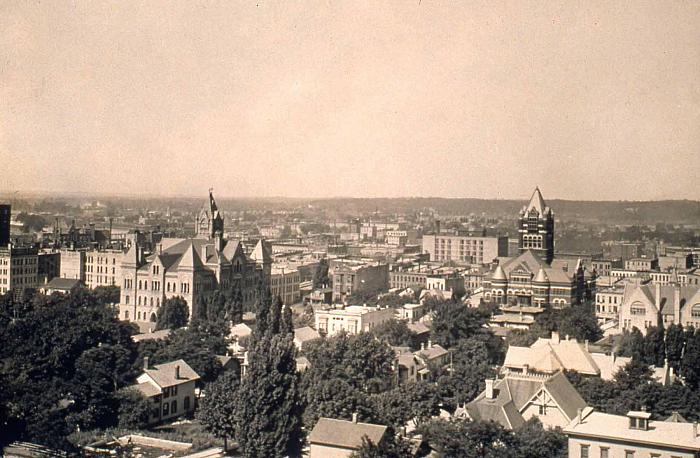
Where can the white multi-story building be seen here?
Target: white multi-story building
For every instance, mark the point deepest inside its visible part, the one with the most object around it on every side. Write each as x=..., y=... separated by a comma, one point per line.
x=352, y=319
x=18, y=269
x=464, y=249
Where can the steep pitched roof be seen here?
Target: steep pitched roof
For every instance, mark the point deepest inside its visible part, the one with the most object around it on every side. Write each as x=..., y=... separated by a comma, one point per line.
x=537, y=203
x=345, y=434
x=165, y=375
x=261, y=253
x=515, y=392
x=565, y=395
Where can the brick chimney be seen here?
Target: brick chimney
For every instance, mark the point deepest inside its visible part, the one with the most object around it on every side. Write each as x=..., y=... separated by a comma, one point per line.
x=145, y=363
x=490, y=393
x=555, y=337
x=177, y=372
x=354, y=417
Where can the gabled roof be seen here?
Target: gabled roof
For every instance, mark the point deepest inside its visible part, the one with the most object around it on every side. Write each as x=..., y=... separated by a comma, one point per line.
x=345, y=434
x=515, y=392
x=537, y=203
x=165, y=375
x=63, y=284
x=261, y=253
x=306, y=334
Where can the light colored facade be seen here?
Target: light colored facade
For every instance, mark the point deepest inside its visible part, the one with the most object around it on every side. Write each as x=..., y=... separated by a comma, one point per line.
x=647, y=305
x=464, y=249
x=516, y=398
x=103, y=268
x=332, y=438
x=446, y=282
x=73, y=264
x=170, y=389
x=608, y=301
x=187, y=267
x=596, y=434
x=19, y=269
x=285, y=283
x=352, y=319
x=642, y=264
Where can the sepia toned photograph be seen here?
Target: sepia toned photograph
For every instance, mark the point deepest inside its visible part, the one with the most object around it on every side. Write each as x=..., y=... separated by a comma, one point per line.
x=350, y=229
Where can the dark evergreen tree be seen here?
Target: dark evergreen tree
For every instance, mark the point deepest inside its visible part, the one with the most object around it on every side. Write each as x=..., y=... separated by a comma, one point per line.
x=267, y=415
x=675, y=342
x=173, y=314
x=654, y=348
x=690, y=364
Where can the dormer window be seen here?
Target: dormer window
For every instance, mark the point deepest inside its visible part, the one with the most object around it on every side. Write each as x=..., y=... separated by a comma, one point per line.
x=639, y=420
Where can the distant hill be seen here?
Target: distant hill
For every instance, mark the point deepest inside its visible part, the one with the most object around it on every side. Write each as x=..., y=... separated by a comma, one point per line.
x=620, y=212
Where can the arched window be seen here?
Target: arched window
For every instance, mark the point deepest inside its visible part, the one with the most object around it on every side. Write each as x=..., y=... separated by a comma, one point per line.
x=695, y=311
x=637, y=308
x=126, y=314
x=153, y=317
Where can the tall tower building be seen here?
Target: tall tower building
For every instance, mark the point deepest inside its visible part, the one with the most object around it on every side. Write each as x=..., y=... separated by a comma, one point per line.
x=5, y=214
x=209, y=222
x=536, y=228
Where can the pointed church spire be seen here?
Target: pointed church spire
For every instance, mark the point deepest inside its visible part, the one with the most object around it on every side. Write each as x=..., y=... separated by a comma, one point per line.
x=537, y=202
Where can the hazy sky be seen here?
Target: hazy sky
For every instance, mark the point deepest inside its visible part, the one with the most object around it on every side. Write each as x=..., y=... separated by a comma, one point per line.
x=590, y=99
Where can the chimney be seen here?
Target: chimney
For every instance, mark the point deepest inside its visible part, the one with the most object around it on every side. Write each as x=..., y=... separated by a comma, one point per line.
x=695, y=429
x=354, y=417
x=422, y=345
x=567, y=337
x=555, y=337
x=490, y=394
x=612, y=355
x=145, y=363
x=579, y=416
x=177, y=372
x=526, y=368
x=585, y=344
x=430, y=344
x=657, y=297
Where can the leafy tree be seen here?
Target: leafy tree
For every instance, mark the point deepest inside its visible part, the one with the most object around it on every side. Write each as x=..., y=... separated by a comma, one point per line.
x=521, y=338
x=390, y=447
x=469, y=439
x=267, y=417
x=533, y=440
x=470, y=369
x=577, y=321
x=412, y=401
x=453, y=322
x=320, y=279
x=333, y=398
x=134, y=409
x=632, y=344
x=395, y=333
x=216, y=410
x=197, y=345
x=173, y=314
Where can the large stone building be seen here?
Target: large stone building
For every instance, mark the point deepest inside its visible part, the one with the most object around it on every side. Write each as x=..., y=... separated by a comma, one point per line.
x=464, y=249
x=536, y=228
x=635, y=435
x=647, y=305
x=535, y=278
x=354, y=276
x=188, y=267
x=527, y=280
x=19, y=269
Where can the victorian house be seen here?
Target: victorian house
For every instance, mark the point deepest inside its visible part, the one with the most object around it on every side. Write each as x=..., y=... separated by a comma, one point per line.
x=646, y=305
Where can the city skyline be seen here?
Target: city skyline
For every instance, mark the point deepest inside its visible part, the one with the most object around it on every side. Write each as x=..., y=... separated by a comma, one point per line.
x=592, y=102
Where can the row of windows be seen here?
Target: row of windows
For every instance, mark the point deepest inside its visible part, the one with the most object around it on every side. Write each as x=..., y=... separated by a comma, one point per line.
x=585, y=452
x=101, y=260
